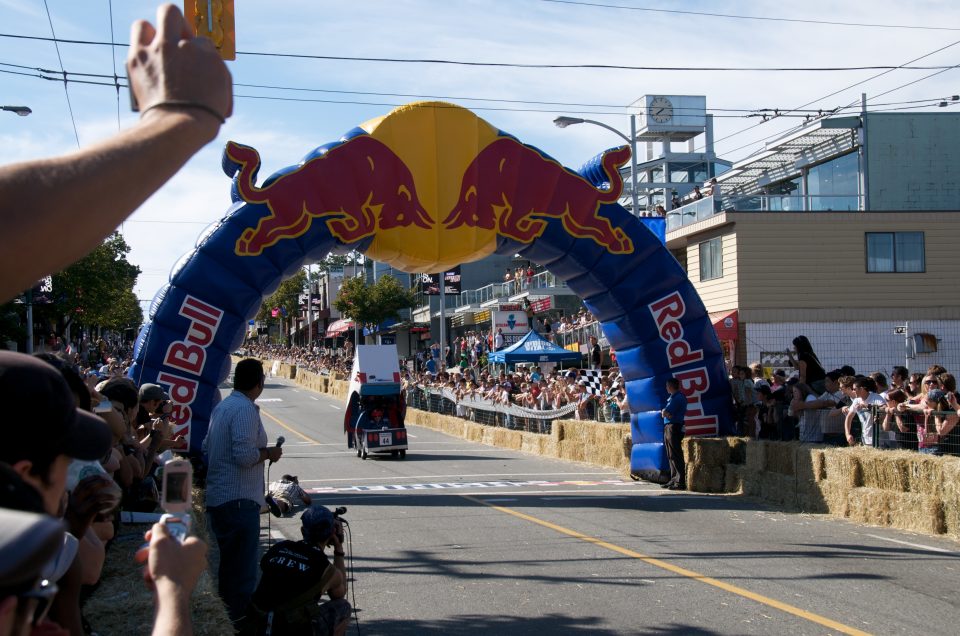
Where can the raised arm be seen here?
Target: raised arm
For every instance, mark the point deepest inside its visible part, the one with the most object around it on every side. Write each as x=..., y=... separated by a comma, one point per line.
x=73, y=202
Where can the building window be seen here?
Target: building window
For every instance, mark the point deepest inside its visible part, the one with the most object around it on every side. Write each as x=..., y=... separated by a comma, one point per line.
x=835, y=185
x=895, y=252
x=711, y=259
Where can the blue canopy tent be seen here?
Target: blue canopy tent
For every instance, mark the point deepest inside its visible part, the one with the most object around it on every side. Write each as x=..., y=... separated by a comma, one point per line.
x=533, y=348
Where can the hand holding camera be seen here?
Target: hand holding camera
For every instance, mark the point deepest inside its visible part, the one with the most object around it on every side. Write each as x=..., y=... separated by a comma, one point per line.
x=176, y=497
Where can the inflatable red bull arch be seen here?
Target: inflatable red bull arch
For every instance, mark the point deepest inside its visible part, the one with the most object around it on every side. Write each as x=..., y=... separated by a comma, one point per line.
x=425, y=188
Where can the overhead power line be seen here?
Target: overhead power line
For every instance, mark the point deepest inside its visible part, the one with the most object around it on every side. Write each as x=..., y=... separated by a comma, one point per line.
x=769, y=113
x=66, y=92
x=734, y=16
x=524, y=65
x=828, y=95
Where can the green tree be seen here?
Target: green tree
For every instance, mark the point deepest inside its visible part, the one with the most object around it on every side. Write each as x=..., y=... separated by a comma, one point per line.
x=287, y=297
x=97, y=290
x=372, y=305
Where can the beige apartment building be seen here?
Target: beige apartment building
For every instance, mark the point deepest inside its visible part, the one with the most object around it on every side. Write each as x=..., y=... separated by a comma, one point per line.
x=801, y=240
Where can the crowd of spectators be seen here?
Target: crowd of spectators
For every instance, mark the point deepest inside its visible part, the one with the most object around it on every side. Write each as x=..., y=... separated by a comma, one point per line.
x=528, y=388
x=913, y=411
x=321, y=360
x=92, y=442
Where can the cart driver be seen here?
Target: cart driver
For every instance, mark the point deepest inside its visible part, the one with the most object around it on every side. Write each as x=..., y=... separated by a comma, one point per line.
x=374, y=418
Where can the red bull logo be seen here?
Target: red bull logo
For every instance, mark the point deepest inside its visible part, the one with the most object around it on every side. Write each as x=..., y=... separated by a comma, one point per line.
x=357, y=187
x=392, y=183
x=502, y=190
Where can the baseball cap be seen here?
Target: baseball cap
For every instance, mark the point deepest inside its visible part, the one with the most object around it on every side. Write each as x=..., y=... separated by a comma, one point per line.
x=28, y=541
x=317, y=524
x=40, y=411
x=152, y=392
x=936, y=395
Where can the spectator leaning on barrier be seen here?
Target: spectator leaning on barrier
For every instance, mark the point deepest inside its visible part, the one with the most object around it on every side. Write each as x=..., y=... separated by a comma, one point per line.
x=863, y=407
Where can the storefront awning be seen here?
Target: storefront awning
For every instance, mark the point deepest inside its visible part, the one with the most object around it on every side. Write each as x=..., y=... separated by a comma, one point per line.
x=338, y=328
x=726, y=324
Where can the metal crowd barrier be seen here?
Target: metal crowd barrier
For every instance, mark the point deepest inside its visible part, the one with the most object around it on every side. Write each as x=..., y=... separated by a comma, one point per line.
x=513, y=417
x=887, y=434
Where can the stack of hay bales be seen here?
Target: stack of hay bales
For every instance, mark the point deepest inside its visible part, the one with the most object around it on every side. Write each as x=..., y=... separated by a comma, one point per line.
x=901, y=489
x=708, y=463
x=593, y=442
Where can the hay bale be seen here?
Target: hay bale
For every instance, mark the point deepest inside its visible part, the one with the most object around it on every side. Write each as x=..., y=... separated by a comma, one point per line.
x=808, y=463
x=778, y=489
x=559, y=429
x=907, y=511
x=571, y=450
x=814, y=499
x=733, y=479
x=548, y=447
x=780, y=457
x=926, y=474
x=705, y=478
x=756, y=454
x=951, y=517
x=886, y=471
x=738, y=449
x=843, y=467
x=627, y=445
x=750, y=481
x=707, y=451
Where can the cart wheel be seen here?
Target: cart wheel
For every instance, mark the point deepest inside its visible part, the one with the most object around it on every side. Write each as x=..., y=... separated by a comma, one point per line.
x=393, y=454
x=359, y=452
x=403, y=454
x=364, y=453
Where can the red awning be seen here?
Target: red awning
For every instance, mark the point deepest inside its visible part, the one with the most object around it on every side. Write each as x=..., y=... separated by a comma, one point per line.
x=338, y=328
x=726, y=324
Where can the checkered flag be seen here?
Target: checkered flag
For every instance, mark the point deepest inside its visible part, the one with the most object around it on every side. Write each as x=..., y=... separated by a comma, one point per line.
x=591, y=379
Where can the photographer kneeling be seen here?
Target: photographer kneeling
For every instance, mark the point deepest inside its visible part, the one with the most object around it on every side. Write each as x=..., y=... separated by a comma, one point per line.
x=296, y=574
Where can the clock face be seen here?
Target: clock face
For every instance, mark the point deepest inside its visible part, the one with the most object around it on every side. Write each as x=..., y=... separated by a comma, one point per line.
x=661, y=110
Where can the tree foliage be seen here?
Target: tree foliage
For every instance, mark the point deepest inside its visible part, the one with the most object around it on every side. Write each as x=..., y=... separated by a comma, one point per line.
x=97, y=290
x=372, y=305
x=286, y=297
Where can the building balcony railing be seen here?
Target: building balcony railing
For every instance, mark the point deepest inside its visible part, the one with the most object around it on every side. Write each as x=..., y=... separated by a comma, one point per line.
x=494, y=291
x=709, y=206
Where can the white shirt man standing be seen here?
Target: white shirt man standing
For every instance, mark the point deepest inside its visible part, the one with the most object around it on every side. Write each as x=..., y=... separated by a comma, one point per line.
x=865, y=390
x=236, y=447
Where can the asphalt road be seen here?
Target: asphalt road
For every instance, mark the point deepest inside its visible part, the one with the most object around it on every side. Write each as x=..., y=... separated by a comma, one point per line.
x=465, y=538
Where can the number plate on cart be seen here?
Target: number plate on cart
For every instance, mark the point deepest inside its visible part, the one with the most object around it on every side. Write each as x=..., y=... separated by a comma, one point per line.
x=386, y=439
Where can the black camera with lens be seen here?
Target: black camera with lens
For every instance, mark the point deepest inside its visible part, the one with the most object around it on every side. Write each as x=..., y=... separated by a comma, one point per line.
x=337, y=515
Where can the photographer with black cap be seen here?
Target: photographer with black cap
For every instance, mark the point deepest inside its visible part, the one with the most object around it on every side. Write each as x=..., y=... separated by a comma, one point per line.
x=296, y=575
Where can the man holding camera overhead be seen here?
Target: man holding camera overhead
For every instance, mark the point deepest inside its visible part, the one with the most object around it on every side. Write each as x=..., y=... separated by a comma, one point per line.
x=236, y=447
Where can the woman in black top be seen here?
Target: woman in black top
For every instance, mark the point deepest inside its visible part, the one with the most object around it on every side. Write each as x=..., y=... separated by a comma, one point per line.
x=808, y=364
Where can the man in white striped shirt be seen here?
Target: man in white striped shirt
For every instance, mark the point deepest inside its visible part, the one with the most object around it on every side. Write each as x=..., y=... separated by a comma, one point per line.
x=236, y=447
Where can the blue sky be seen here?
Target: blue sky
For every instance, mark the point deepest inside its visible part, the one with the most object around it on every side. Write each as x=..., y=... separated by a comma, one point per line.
x=513, y=31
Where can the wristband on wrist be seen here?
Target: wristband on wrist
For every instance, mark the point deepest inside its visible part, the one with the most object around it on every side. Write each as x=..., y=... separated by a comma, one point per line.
x=181, y=104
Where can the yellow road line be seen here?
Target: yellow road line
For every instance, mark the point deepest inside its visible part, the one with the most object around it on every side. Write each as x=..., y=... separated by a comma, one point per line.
x=288, y=427
x=676, y=569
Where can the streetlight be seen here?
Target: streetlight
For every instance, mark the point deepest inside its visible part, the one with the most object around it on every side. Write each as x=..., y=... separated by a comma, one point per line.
x=23, y=111
x=564, y=121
